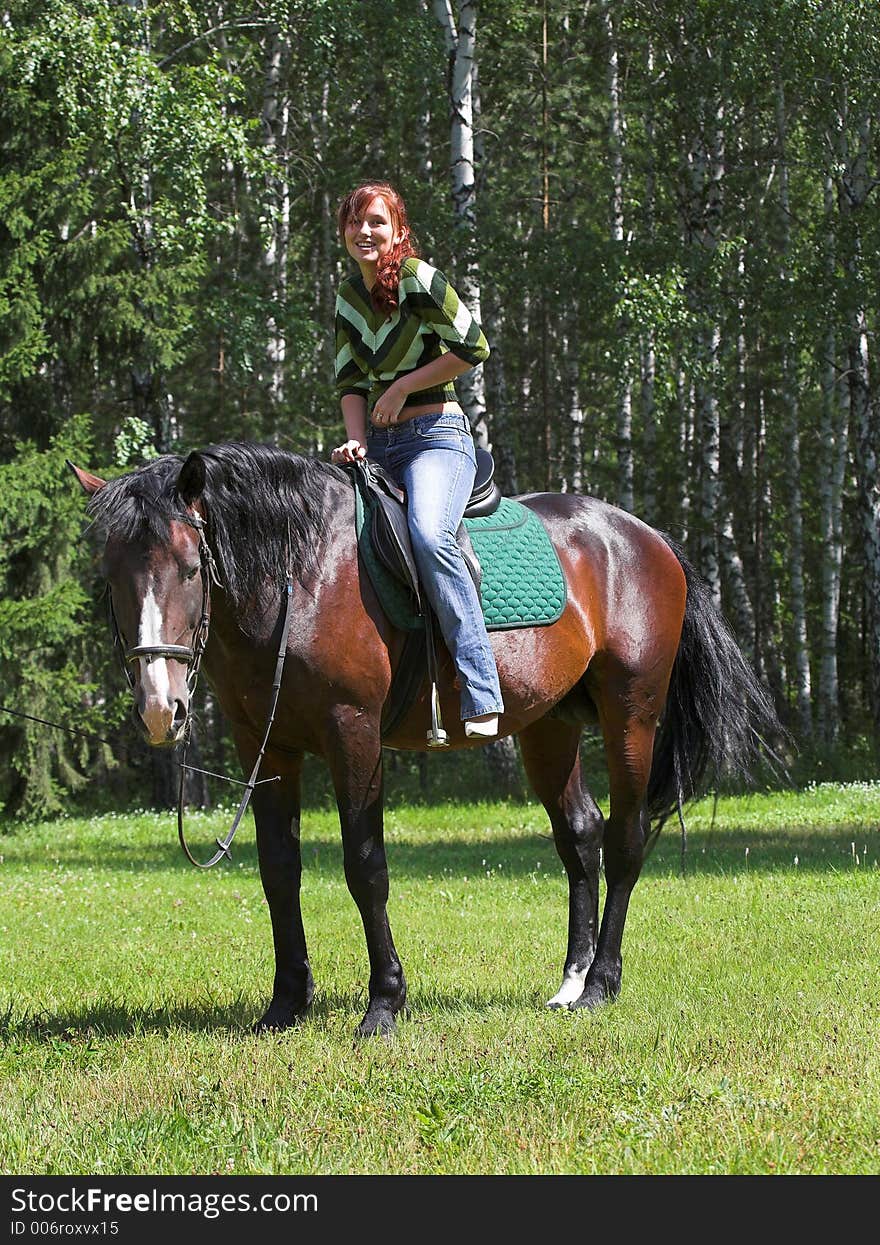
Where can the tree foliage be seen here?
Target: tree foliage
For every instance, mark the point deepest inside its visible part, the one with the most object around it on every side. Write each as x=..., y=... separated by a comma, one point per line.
x=679, y=255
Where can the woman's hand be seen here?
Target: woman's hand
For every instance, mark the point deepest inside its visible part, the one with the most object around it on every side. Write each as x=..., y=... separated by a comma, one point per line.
x=388, y=406
x=351, y=452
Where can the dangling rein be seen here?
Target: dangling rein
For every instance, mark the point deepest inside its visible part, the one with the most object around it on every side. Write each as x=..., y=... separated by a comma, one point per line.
x=224, y=844
x=193, y=657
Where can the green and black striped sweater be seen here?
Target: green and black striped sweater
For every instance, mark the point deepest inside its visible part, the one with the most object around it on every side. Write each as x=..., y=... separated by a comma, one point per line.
x=373, y=350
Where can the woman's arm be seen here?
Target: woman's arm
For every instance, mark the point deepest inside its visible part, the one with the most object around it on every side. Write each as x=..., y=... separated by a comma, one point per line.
x=352, y=385
x=431, y=375
x=354, y=415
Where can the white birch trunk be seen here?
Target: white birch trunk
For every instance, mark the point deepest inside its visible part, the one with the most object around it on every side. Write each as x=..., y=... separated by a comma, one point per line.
x=769, y=660
x=648, y=348
x=575, y=412
x=732, y=570
x=625, y=470
x=460, y=41
x=329, y=267
x=423, y=120
x=685, y=402
x=149, y=396
x=276, y=123
x=702, y=209
x=648, y=409
x=709, y=173
x=762, y=512
x=833, y=437
x=710, y=459
x=734, y=577
x=797, y=604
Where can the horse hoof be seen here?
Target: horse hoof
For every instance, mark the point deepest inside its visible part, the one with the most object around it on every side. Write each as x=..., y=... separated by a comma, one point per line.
x=263, y=1026
x=381, y=1025
x=572, y=988
x=276, y=1019
x=594, y=996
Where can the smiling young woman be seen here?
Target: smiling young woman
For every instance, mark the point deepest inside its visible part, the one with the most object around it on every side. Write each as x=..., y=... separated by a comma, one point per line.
x=402, y=336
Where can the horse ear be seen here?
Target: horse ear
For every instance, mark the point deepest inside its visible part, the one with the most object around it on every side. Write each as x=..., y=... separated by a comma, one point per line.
x=91, y=484
x=191, y=481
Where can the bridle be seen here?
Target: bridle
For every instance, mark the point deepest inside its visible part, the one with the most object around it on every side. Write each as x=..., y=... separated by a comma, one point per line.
x=192, y=655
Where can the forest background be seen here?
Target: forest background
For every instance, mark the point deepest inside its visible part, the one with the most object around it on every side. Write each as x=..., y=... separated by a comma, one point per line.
x=664, y=215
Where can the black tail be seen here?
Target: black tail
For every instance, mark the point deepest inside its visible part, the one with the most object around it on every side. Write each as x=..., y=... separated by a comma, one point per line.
x=718, y=718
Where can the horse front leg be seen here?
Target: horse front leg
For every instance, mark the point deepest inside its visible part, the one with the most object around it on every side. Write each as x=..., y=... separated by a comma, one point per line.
x=277, y=815
x=355, y=760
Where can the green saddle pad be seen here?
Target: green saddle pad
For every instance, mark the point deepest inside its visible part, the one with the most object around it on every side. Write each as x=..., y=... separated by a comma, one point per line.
x=523, y=584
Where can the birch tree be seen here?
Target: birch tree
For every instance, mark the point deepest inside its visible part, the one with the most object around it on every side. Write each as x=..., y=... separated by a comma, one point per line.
x=647, y=346
x=803, y=698
x=733, y=571
x=459, y=35
x=832, y=465
x=625, y=476
x=275, y=119
x=705, y=172
x=852, y=144
x=150, y=400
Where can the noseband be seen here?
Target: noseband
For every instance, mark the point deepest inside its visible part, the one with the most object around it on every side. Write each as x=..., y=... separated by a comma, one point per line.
x=175, y=652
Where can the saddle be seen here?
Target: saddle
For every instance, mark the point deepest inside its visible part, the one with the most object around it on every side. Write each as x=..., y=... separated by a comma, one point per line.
x=385, y=505
x=389, y=530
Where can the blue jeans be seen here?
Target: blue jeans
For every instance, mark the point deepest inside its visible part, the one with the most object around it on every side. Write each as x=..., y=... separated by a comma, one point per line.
x=432, y=457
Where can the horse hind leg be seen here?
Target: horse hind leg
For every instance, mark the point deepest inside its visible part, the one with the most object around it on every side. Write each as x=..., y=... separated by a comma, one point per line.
x=551, y=756
x=628, y=720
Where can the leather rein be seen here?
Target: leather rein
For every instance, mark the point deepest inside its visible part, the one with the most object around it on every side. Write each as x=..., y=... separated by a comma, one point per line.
x=192, y=655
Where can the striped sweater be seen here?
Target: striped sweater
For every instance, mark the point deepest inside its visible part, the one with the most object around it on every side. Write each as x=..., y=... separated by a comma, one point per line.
x=373, y=350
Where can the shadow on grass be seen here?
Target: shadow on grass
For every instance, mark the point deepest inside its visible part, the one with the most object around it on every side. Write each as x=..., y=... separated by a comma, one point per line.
x=72, y=1026
x=708, y=852
x=70, y=1029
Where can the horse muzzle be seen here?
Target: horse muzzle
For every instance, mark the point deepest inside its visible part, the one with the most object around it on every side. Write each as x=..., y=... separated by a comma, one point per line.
x=162, y=722
x=161, y=702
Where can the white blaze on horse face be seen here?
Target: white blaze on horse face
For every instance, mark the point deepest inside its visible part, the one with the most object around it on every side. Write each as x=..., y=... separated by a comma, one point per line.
x=154, y=674
x=572, y=988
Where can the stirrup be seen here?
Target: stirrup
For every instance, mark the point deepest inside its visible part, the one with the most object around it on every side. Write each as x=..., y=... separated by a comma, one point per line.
x=437, y=737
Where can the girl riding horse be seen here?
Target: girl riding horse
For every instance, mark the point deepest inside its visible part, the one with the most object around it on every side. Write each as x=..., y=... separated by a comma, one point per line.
x=402, y=336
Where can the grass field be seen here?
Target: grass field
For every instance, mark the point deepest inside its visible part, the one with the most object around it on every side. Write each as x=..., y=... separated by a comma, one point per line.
x=744, y=1040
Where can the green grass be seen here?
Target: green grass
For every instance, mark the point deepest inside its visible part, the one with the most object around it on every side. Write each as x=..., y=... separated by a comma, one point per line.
x=744, y=1040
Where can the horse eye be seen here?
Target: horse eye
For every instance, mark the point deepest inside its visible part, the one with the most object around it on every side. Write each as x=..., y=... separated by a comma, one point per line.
x=191, y=574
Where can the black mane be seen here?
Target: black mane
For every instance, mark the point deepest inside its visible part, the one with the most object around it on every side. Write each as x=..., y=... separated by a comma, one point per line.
x=256, y=498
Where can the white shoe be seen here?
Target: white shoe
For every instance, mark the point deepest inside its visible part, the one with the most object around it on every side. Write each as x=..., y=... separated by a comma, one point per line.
x=486, y=729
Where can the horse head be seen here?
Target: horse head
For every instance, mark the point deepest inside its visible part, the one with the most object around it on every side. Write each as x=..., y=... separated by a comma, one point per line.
x=158, y=575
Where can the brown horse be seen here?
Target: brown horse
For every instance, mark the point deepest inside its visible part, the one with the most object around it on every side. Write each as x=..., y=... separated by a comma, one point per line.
x=639, y=646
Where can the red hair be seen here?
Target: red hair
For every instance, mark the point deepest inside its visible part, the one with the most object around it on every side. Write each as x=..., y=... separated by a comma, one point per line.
x=353, y=208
